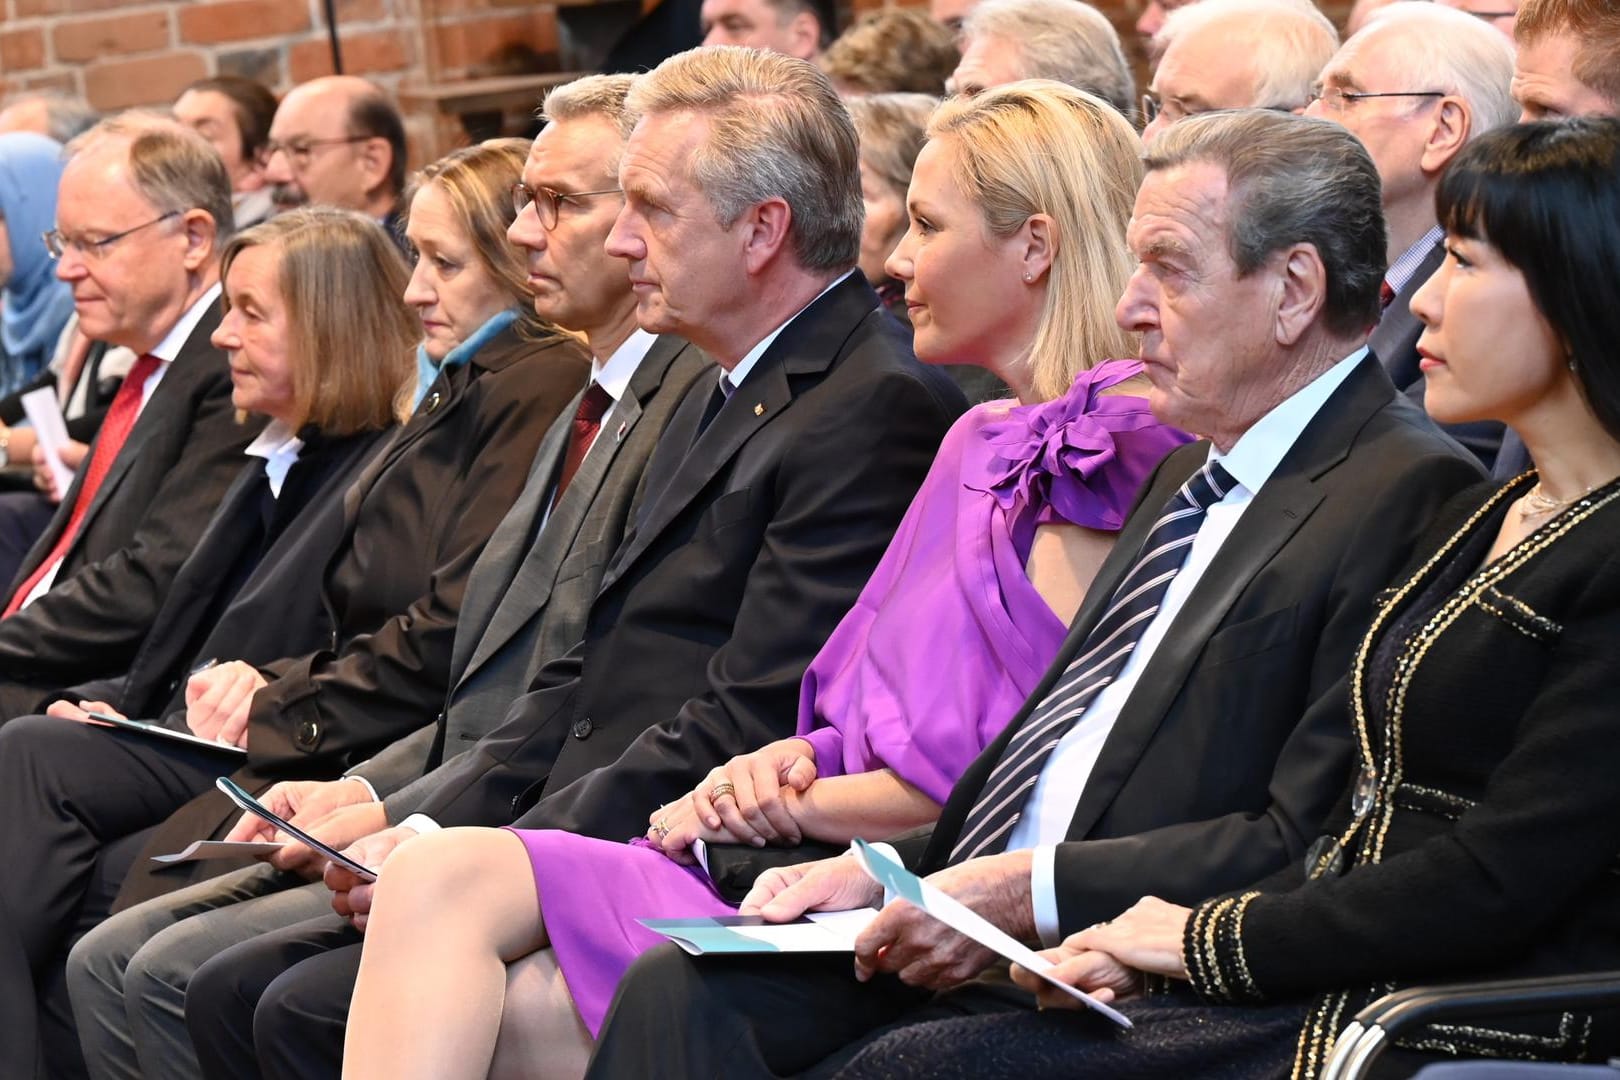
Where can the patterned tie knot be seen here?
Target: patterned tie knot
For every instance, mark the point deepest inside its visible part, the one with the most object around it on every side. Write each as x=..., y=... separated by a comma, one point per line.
x=594, y=405
x=1207, y=486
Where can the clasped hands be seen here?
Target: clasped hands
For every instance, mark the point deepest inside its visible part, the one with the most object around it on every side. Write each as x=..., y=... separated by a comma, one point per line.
x=751, y=799
x=218, y=699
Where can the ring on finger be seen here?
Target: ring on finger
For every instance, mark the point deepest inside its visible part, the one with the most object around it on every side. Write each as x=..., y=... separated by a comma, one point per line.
x=661, y=827
x=721, y=790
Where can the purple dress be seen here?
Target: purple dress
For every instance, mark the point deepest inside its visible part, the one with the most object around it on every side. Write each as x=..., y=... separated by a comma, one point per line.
x=950, y=595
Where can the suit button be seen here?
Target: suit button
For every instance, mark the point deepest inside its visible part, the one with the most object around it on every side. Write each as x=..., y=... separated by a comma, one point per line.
x=308, y=734
x=582, y=728
x=431, y=405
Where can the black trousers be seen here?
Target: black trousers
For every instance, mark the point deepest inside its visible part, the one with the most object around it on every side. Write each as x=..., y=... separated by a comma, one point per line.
x=276, y=1006
x=75, y=804
x=676, y=1015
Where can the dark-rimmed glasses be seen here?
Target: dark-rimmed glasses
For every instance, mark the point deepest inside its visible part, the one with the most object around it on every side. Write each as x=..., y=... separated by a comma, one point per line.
x=59, y=244
x=1338, y=99
x=299, y=151
x=546, y=200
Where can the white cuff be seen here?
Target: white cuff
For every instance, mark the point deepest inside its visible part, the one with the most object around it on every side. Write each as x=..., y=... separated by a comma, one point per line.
x=1043, y=894
x=369, y=789
x=421, y=823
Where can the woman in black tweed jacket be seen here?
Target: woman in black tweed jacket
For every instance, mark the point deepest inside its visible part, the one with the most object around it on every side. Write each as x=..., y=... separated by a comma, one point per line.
x=1481, y=837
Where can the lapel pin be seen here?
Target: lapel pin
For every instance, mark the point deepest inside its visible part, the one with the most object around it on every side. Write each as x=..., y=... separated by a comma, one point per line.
x=618, y=436
x=759, y=409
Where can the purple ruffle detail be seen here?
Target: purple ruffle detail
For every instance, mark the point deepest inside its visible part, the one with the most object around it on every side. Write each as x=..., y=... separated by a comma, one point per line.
x=1047, y=454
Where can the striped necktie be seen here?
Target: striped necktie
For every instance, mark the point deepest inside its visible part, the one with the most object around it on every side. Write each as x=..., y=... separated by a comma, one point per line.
x=1100, y=660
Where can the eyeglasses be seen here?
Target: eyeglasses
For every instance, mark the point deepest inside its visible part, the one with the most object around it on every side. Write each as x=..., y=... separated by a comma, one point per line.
x=1338, y=99
x=1153, y=106
x=59, y=244
x=299, y=151
x=546, y=201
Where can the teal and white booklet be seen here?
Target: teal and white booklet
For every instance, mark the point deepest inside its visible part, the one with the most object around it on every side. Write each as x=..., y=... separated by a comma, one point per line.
x=836, y=931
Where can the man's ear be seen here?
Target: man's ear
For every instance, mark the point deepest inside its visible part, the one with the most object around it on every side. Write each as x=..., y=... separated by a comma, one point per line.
x=765, y=233
x=1447, y=136
x=804, y=31
x=376, y=159
x=201, y=233
x=1302, y=291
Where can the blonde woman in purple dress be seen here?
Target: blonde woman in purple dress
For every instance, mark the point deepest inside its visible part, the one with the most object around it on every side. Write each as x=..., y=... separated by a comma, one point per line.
x=1013, y=259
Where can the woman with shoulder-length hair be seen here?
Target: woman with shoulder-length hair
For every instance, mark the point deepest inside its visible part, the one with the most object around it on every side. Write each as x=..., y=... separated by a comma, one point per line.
x=491, y=377
x=337, y=643
x=1477, y=840
x=1012, y=260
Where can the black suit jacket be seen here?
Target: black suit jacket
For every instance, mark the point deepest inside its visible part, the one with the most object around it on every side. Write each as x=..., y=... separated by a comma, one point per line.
x=753, y=542
x=182, y=455
x=413, y=525
x=1234, y=744
x=1395, y=340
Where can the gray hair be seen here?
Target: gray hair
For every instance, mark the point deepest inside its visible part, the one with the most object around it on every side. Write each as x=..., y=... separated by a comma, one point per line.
x=892, y=130
x=1063, y=40
x=174, y=168
x=66, y=116
x=1455, y=52
x=1289, y=41
x=1292, y=180
x=593, y=95
x=777, y=130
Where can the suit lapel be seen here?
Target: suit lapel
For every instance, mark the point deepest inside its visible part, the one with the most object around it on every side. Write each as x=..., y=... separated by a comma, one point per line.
x=1287, y=499
x=1394, y=339
x=152, y=416
x=808, y=344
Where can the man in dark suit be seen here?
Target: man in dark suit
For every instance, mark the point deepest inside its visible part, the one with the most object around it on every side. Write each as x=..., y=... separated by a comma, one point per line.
x=1412, y=132
x=1192, y=733
x=144, y=209
x=772, y=494
x=525, y=603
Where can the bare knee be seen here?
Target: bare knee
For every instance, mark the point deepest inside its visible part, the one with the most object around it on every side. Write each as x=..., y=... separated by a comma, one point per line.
x=476, y=879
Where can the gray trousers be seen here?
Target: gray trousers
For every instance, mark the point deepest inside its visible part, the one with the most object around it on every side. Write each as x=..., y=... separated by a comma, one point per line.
x=128, y=976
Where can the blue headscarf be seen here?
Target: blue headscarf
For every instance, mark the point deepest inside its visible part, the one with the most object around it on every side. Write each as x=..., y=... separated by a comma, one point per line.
x=35, y=305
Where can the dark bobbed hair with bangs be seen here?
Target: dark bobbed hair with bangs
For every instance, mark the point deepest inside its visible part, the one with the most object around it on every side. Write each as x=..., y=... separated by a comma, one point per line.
x=1547, y=196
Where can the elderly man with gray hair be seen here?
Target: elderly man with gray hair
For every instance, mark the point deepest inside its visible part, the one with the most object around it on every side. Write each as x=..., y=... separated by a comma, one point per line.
x=1191, y=734
x=1415, y=86
x=1064, y=40
x=1236, y=54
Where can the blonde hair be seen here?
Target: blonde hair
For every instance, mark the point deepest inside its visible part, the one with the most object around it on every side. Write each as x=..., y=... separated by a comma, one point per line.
x=477, y=181
x=1042, y=147
x=171, y=166
x=892, y=51
x=777, y=130
x=350, y=337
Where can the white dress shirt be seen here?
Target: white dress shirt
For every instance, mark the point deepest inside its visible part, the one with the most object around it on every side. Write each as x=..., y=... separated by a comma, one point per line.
x=1056, y=795
x=166, y=351
x=279, y=446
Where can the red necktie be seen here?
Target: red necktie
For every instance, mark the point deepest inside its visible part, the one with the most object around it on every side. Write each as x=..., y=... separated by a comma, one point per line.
x=1386, y=296
x=115, y=428
x=587, y=421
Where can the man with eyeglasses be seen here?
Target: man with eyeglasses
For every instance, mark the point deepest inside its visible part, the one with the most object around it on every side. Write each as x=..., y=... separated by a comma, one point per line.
x=526, y=603
x=1415, y=86
x=143, y=210
x=1236, y=54
x=338, y=141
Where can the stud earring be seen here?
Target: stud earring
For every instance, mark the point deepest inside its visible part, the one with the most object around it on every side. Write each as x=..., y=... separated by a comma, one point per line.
x=1028, y=277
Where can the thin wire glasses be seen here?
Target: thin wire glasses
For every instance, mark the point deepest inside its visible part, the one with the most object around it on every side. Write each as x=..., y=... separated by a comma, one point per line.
x=300, y=151
x=546, y=201
x=1338, y=99
x=58, y=244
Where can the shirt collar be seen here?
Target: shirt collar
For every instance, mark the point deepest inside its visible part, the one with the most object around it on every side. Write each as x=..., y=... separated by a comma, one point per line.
x=1258, y=451
x=169, y=348
x=746, y=364
x=613, y=374
x=1401, y=270
x=278, y=445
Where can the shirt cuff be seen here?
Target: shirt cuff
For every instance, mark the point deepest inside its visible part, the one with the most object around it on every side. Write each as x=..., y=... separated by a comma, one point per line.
x=421, y=823
x=1043, y=894
x=369, y=789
